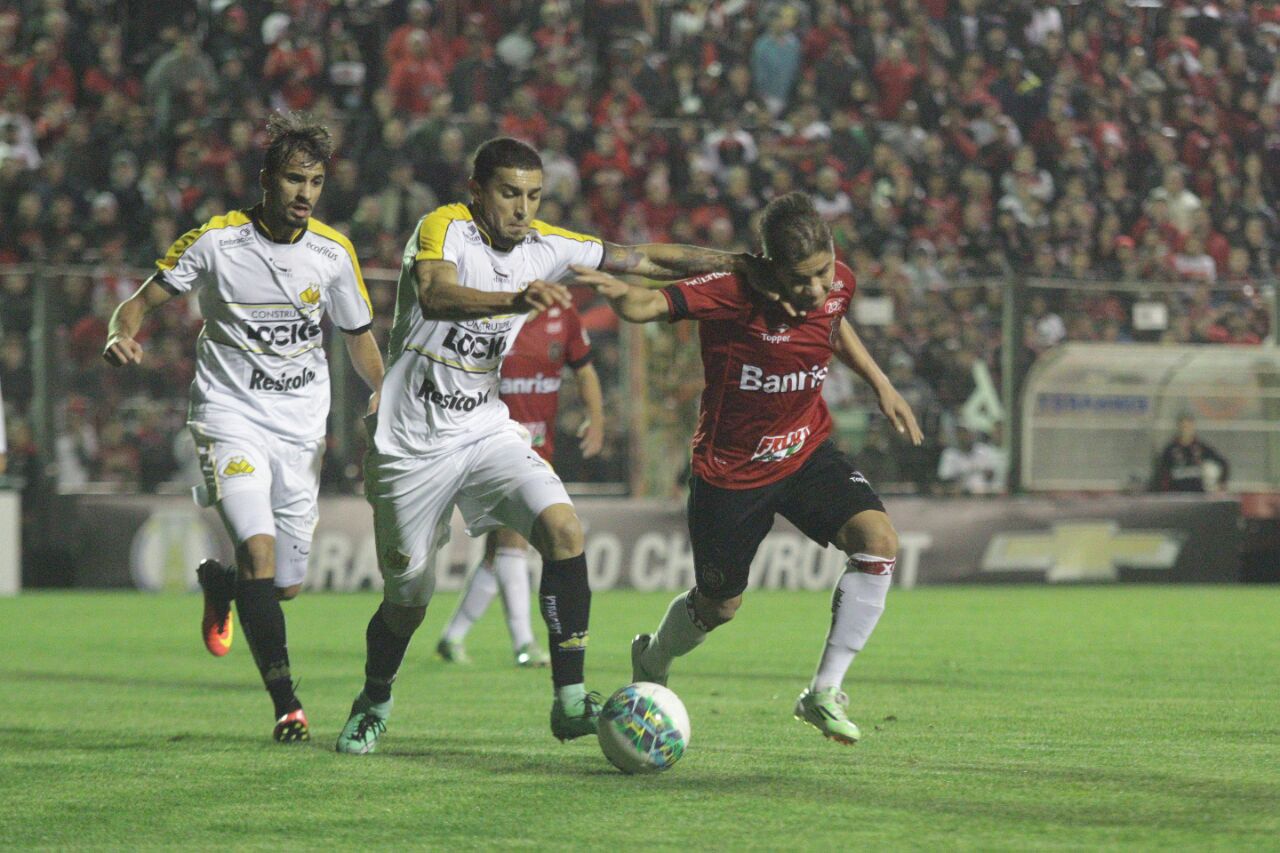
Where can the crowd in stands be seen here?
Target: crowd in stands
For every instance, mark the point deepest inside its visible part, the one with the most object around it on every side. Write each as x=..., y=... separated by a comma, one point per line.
x=952, y=144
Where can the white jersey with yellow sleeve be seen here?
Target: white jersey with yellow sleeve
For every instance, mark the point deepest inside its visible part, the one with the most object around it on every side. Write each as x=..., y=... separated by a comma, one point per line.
x=443, y=376
x=260, y=356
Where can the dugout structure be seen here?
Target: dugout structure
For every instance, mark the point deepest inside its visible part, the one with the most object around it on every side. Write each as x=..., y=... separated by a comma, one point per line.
x=1094, y=416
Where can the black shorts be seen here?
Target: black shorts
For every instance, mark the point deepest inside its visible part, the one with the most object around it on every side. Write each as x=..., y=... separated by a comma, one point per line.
x=726, y=526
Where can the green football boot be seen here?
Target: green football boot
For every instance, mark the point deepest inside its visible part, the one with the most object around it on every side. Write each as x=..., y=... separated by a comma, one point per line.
x=574, y=722
x=530, y=656
x=452, y=651
x=639, y=672
x=366, y=724
x=824, y=710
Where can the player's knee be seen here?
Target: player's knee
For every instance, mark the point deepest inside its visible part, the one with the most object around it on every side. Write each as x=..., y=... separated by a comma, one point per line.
x=288, y=593
x=714, y=612
x=869, y=533
x=256, y=557
x=557, y=534
x=401, y=620
x=505, y=537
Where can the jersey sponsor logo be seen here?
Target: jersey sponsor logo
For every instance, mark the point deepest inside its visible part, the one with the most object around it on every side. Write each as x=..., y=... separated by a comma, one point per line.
x=310, y=296
x=702, y=279
x=260, y=381
x=775, y=448
x=755, y=379
x=330, y=253
x=237, y=466
x=775, y=339
x=242, y=237
x=536, y=384
x=299, y=331
x=832, y=306
x=469, y=344
x=455, y=401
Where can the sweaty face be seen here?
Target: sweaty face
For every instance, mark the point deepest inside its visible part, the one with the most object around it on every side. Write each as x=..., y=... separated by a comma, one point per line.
x=805, y=284
x=291, y=194
x=507, y=203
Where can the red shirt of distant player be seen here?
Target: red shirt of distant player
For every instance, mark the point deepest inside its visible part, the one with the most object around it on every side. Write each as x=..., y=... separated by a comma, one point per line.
x=762, y=410
x=531, y=371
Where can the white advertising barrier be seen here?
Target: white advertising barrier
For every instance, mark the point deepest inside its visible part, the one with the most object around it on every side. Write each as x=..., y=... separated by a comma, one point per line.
x=10, y=542
x=154, y=543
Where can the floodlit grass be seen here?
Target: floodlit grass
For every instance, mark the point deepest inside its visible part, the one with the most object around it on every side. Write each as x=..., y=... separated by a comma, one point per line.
x=993, y=717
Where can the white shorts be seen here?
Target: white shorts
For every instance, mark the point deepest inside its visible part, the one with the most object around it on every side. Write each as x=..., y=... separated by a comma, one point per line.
x=498, y=481
x=243, y=463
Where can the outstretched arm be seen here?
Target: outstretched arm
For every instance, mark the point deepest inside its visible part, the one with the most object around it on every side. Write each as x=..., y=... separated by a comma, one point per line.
x=670, y=262
x=631, y=303
x=592, y=432
x=442, y=298
x=850, y=350
x=362, y=349
x=121, y=347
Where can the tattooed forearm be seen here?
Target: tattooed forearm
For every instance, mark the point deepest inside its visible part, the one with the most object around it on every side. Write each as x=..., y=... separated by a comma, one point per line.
x=623, y=259
x=659, y=260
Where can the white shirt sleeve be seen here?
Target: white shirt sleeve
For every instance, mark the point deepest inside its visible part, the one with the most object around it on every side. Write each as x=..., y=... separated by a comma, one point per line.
x=186, y=261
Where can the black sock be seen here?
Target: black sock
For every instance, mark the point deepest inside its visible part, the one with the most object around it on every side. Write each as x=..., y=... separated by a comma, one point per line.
x=565, y=598
x=262, y=623
x=385, y=652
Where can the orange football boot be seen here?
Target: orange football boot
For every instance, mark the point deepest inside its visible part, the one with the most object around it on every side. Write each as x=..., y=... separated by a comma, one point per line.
x=218, y=625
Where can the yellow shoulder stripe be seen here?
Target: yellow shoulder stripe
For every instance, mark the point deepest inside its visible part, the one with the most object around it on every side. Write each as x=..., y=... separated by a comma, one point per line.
x=338, y=237
x=432, y=229
x=229, y=220
x=556, y=231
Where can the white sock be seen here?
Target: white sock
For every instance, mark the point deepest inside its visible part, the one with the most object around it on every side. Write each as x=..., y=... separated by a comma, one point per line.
x=676, y=636
x=856, y=606
x=511, y=565
x=481, y=587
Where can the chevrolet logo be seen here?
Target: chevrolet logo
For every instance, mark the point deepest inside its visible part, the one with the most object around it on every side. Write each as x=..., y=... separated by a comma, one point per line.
x=311, y=295
x=238, y=465
x=1082, y=551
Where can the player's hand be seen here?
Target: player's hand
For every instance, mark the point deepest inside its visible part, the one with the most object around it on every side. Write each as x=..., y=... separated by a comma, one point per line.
x=541, y=295
x=608, y=286
x=900, y=415
x=756, y=271
x=121, y=351
x=591, y=439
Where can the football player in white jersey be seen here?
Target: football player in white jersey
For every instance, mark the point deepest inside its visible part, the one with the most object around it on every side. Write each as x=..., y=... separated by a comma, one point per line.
x=471, y=274
x=264, y=278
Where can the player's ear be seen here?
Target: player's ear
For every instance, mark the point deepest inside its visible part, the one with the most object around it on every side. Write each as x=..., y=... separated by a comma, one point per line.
x=474, y=186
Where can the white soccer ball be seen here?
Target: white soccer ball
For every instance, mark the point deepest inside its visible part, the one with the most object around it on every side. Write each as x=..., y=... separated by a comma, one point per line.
x=643, y=728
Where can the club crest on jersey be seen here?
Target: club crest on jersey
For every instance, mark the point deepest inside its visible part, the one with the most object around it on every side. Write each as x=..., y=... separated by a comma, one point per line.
x=310, y=296
x=775, y=448
x=238, y=466
x=832, y=306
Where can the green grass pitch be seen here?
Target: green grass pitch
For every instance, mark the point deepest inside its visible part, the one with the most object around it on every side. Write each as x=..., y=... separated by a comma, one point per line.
x=993, y=718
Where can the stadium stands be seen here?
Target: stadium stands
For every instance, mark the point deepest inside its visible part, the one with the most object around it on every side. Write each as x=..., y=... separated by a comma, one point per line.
x=1087, y=150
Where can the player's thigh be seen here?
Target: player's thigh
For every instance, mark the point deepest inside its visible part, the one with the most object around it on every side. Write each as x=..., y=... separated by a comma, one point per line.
x=826, y=494
x=237, y=473
x=509, y=485
x=295, y=495
x=412, y=500
x=726, y=527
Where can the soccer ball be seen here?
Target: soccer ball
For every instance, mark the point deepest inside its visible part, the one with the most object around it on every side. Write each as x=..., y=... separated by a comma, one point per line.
x=643, y=728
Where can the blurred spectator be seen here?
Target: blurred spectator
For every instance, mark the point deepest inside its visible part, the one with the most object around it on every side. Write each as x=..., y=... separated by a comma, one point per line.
x=972, y=466
x=1187, y=464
